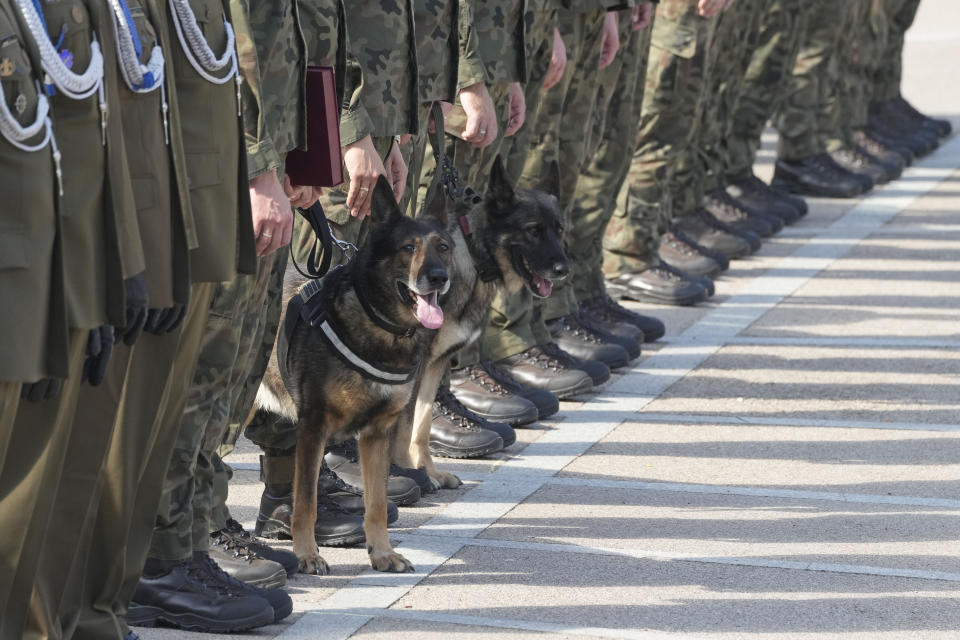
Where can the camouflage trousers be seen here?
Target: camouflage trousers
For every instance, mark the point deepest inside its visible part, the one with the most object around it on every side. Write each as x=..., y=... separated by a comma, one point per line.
x=242, y=321
x=850, y=92
x=599, y=192
x=805, y=116
x=767, y=76
x=893, y=18
x=515, y=324
x=555, y=136
x=662, y=173
x=733, y=44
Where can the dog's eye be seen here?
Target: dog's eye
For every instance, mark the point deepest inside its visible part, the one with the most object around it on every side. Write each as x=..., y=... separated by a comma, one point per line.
x=560, y=229
x=409, y=248
x=535, y=230
x=442, y=247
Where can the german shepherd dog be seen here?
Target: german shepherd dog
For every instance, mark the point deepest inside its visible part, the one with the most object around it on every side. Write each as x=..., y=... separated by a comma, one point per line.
x=509, y=240
x=354, y=368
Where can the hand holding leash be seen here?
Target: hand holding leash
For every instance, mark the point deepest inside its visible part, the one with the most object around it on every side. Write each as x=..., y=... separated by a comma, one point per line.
x=364, y=166
x=272, y=216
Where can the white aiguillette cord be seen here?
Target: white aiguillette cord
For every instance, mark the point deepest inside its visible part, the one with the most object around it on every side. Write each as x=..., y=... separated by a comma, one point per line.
x=203, y=60
x=139, y=78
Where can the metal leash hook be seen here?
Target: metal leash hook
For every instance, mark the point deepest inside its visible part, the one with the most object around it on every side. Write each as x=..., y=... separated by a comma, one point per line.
x=349, y=249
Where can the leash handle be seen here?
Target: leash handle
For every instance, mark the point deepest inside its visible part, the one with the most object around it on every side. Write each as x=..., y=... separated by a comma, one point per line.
x=446, y=172
x=323, y=242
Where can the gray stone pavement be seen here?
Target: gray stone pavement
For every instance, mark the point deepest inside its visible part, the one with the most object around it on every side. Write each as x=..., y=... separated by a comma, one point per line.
x=784, y=464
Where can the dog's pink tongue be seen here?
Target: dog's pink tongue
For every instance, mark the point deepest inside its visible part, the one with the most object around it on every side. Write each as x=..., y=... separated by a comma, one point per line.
x=429, y=312
x=544, y=286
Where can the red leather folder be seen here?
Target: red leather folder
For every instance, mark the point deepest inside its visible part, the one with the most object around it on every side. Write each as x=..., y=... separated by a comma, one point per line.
x=321, y=165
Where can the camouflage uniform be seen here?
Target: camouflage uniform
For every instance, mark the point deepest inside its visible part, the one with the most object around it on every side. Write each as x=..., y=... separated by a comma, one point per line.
x=380, y=99
x=733, y=44
x=804, y=119
x=888, y=71
x=599, y=193
x=272, y=59
x=850, y=90
x=670, y=114
x=514, y=327
x=768, y=73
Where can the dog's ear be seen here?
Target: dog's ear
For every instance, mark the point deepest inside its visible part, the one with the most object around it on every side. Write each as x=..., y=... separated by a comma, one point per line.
x=550, y=178
x=435, y=206
x=500, y=191
x=383, y=207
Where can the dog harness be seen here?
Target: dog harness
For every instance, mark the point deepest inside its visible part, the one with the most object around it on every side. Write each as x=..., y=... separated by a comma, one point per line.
x=313, y=305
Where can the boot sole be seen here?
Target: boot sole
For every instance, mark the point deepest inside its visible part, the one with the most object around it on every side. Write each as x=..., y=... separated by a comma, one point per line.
x=515, y=420
x=645, y=296
x=445, y=451
x=280, y=531
x=146, y=616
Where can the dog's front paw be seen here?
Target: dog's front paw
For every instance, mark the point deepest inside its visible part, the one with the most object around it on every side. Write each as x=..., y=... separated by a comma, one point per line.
x=443, y=480
x=390, y=561
x=313, y=564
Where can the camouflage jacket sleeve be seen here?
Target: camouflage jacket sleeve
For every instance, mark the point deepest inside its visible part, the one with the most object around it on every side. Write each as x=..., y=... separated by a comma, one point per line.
x=272, y=60
x=438, y=48
x=380, y=83
x=491, y=41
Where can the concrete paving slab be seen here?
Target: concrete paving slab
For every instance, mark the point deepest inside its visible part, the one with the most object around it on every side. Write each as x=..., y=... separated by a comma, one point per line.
x=880, y=384
x=868, y=461
x=622, y=593
x=737, y=526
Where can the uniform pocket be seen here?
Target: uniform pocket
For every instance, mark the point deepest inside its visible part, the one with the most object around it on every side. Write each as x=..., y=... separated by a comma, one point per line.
x=71, y=19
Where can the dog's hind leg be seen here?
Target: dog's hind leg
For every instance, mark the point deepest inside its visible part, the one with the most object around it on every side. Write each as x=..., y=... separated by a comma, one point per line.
x=310, y=444
x=374, y=445
x=422, y=418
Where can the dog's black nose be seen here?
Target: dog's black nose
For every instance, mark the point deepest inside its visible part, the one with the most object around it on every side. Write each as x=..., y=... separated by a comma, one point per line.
x=560, y=270
x=437, y=277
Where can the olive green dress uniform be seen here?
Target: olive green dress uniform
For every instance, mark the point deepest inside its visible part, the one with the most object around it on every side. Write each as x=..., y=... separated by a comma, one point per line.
x=101, y=247
x=216, y=213
x=239, y=308
x=75, y=555
x=31, y=275
x=672, y=101
x=764, y=85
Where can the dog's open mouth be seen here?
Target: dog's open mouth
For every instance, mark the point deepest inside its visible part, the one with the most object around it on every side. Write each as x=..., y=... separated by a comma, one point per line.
x=540, y=286
x=426, y=306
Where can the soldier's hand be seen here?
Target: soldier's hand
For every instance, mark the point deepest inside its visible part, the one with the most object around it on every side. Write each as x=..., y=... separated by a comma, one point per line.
x=99, y=347
x=160, y=321
x=445, y=108
x=558, y=61
x=45, y=389
x=710, y=8
x=300, y=196
x=611, y=39
x=481, y=129
x=135, y=295
x=272, y=215
x=364, y=166
x=518, y=109
x=396, y=168
x=642, y=16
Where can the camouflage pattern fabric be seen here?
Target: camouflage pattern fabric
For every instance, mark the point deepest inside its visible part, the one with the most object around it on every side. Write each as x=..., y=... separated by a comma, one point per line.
x=599, y=190
x=848, y=109
x=272, y=59
x=804, y=119
x=570, y=100
x=732, y=47
x=438, y=48
x=380, y=85
x=887, y=74
x=768, y=73
x=491, y=42
x=679, y=42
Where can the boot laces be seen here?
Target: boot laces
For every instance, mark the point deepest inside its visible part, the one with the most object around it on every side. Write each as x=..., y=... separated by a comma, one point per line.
x=675, y=242
x=478, y=374
x=453, y=409
x=212, y=578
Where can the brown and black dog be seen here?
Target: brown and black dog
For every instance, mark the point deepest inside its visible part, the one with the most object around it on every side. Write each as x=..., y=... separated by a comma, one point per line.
x=351, y=359
x=509, y=240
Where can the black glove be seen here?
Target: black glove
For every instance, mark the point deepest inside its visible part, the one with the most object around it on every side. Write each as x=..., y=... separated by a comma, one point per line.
x=44, y=389
x=99, y=347
x=135, y=293
x=160, y=321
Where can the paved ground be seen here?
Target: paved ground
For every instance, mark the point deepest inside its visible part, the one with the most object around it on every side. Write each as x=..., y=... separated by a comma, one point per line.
x=785, y=464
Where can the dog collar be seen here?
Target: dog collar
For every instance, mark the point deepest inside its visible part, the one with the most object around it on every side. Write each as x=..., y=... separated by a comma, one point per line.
x=378, y=318
x=486, y=267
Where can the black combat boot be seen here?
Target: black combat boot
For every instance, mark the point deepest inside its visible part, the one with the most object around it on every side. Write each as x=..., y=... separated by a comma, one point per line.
x=484, y=395
x=457, y=432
